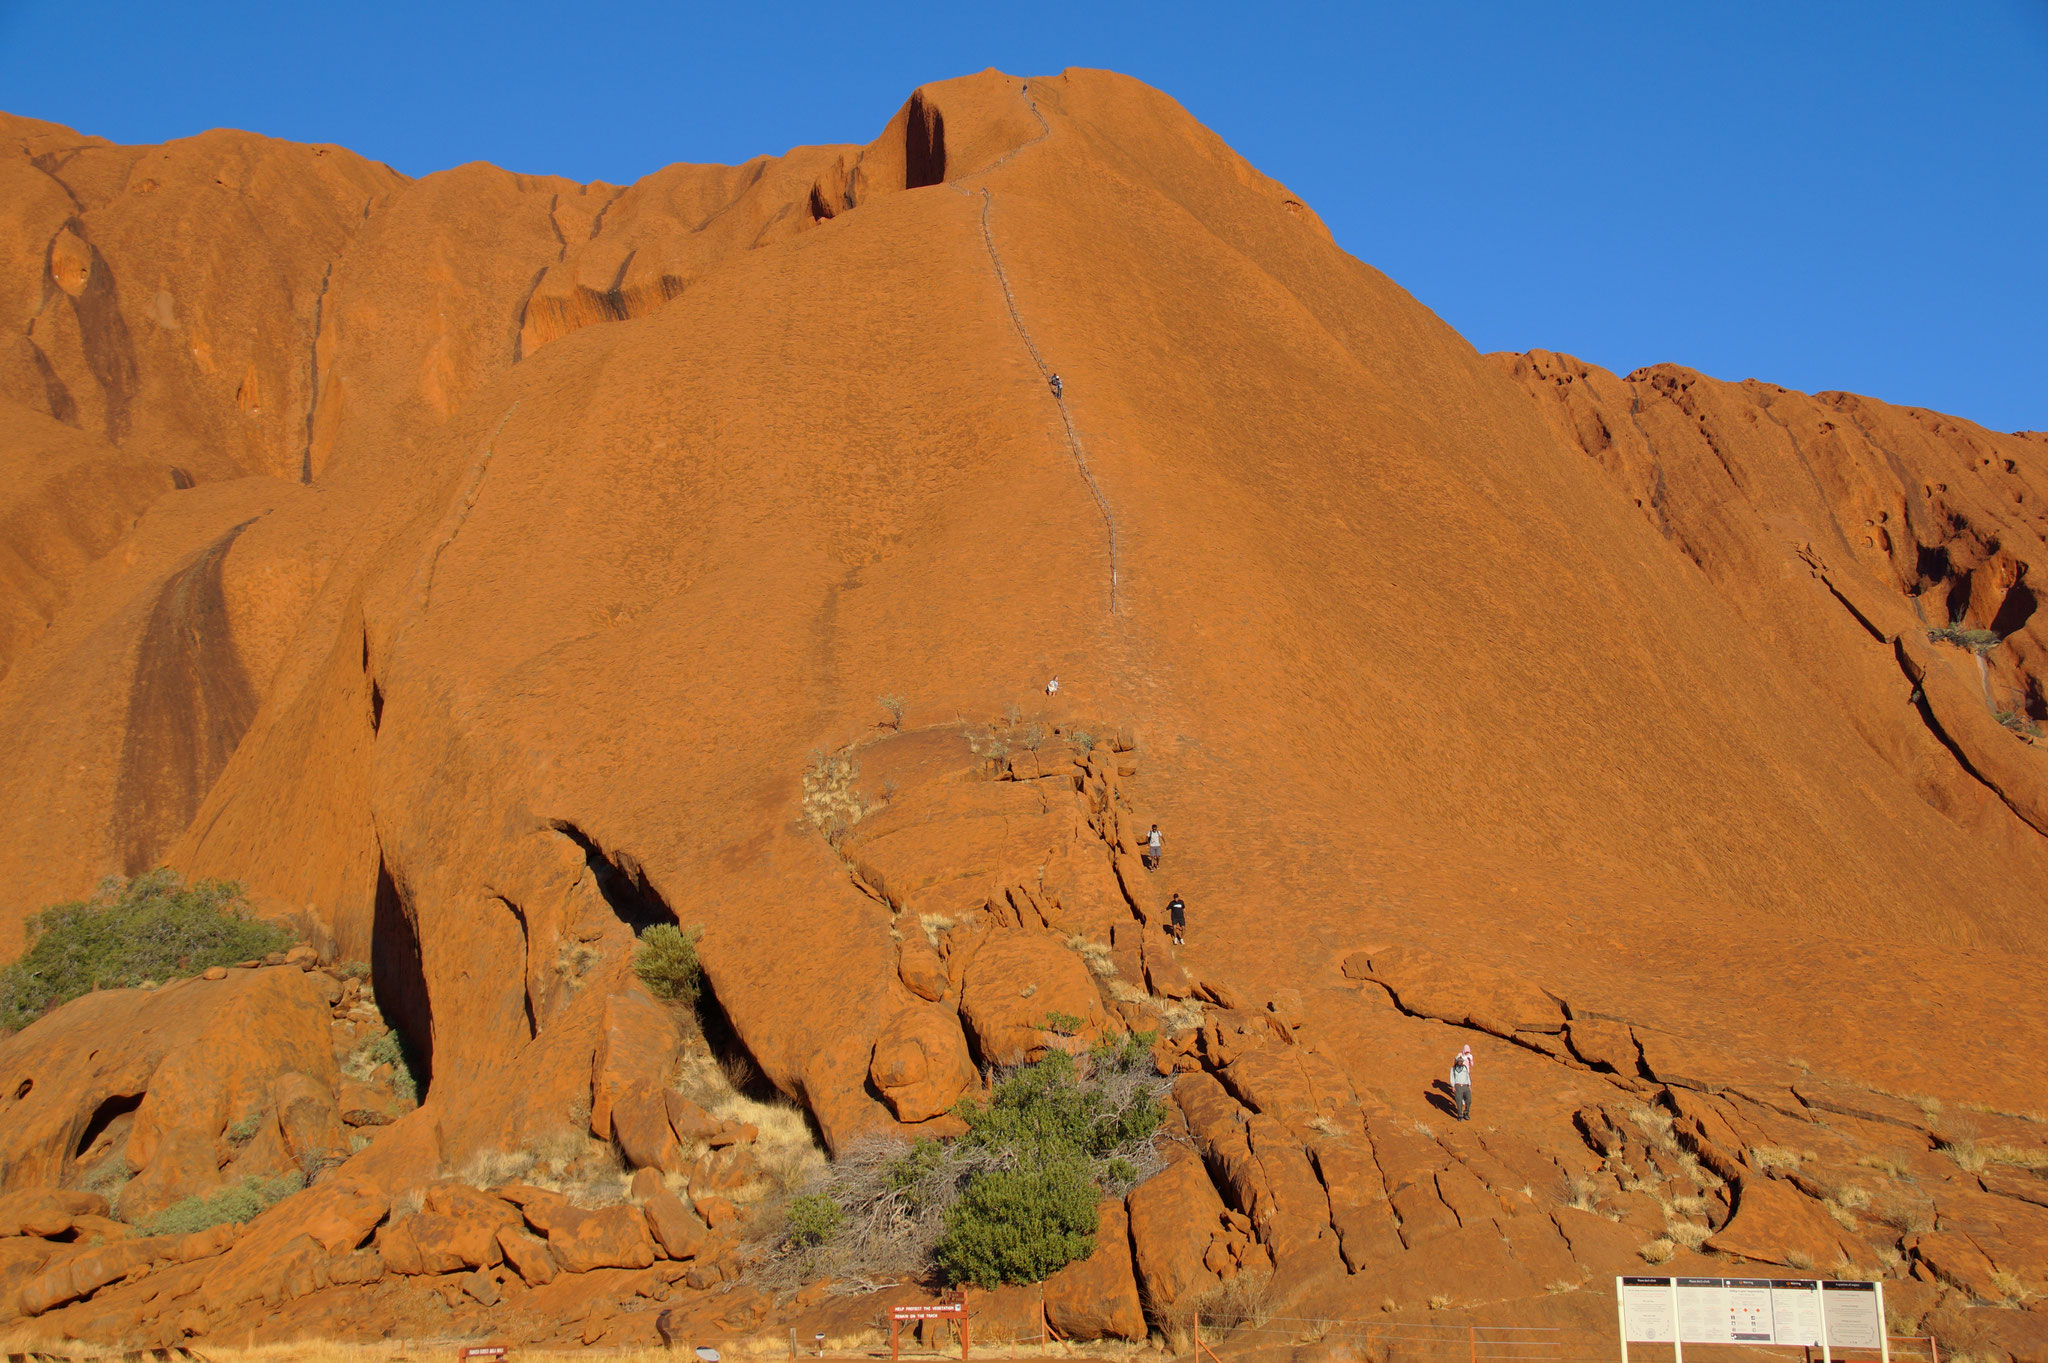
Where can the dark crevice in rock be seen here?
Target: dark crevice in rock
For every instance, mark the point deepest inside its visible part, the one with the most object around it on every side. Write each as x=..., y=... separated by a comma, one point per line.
x=924, y=144
x=104, y=1116
x=398, y=978
x=621, y=881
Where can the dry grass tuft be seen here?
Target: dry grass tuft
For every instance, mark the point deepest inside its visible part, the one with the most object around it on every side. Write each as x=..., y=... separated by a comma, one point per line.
x=1763, y=1158
x=1691, y=1234
x=1658, y=1250
x=2011, y=1286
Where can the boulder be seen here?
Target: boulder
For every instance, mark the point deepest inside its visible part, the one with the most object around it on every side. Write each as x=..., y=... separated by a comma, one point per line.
x=1016, y=982
x=1097, y=1297
x=675, y=1227
x=691, y=1123
x=450, y=1244
x=528, y=1254
x=921, y=970
x=641, y=1124
x=1174, y=1215
x=362, y=1104
x=310, y=1122
x=612, y=1237
x=636, y=1050
x=921, y=1066
x=80, y=1274
x=46, y=1212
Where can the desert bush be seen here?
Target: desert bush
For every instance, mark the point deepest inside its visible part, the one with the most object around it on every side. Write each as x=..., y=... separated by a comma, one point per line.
x=1019, y=1225
x=1084, y=740
x=894, y=706
x=243, y=1202
x=386, y=1048
x=1978, y=641
x=2019, y=723
x=153, y=927
x=666, y=962
x=244, y=1131
x=354, y=970
x=812, y=1220
x=1015, y=1195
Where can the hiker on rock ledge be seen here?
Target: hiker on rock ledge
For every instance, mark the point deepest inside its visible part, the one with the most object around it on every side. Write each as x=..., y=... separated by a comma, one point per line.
x=1461, y=1084
x=1177, y=921
x=1055, y=382
x=1151, y=856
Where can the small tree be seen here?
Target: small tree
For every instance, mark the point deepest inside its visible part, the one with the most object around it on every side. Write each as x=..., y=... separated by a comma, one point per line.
x=666, y=962
x=153, y=927
x=894, y=705
x=1019, y=1225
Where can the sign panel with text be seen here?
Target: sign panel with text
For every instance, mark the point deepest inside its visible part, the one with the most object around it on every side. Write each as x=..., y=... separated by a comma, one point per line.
x=1799, y=1312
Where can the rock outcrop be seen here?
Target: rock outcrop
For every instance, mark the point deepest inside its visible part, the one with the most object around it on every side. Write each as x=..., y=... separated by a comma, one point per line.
x=491, y=567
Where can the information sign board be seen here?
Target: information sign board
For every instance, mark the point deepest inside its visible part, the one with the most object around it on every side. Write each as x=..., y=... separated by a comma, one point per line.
x=1794, y=1312
x=1703, y=1311
x=1648, y=1310
x=1748, y=1303
x=1851, y=1315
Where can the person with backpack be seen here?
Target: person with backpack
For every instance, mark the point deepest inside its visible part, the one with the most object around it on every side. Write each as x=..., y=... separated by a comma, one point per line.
x=1177, y=921
x=1152, y=849
x=1461, y=1084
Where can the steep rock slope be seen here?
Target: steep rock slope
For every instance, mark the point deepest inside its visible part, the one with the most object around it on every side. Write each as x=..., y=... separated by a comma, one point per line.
x=613, y=513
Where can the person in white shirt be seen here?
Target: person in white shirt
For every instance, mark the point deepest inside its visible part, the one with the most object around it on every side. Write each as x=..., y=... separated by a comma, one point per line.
x=1152, y=848
x=1461, y=1084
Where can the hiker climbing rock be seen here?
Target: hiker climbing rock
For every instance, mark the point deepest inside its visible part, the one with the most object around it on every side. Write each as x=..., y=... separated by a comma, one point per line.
x=1055, y=381
x=1052, y=688
x=1151, y=857
x=1177, y=921
x=1461, y=1084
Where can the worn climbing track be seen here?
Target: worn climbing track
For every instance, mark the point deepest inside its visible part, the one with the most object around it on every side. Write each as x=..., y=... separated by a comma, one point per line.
x=1045, y=371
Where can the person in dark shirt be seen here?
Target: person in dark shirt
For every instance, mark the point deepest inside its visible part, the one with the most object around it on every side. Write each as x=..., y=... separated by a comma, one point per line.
x=1177, y=921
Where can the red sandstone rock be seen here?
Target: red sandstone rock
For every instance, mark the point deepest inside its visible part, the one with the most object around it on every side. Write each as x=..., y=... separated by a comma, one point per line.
x=640, y=1123
x=1017, y=981
x=676, y=1228
x=1097, y=1298
x=1174, y=1215
x=46, y=1212
x=528, y=1255
x=614, y=1237
x=921, y=1065
x=921, y=970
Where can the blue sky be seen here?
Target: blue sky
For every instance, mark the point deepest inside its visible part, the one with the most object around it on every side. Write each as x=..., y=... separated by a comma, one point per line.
x=1825, y=195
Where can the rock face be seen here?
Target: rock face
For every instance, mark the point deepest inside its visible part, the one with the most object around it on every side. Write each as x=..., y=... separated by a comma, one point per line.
x=490, y=567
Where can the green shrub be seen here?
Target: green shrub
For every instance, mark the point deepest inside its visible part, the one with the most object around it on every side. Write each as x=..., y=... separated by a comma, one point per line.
x=388, y=1048
x=244, y=1131
x=1019, y=1225
x=1044, y=1113
x=1976, y=640
x=666, y=962
x=150, y=928
x=355, y=970
x=812, y=1219
x=1084, y=740
x=240, y=1203
x=2019, y=723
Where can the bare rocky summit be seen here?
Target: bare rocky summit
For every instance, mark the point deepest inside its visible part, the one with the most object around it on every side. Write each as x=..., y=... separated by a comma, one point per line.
x=488, y=567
